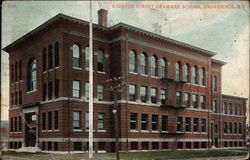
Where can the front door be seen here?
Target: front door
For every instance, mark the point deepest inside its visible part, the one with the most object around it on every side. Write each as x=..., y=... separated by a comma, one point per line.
x=30, y=130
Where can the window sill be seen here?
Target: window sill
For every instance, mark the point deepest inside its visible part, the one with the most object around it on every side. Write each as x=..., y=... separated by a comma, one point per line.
x=145, y=131
x=134, y=131
x=77, y=68
x=133, y=73
x=202, y=86
x=50, y=69
x=164, y=131
x=31, y=91
x=57, y=67
x=145, y=75
x=154, y=77
x=101, y=130
x=50, y=130
x=155, y=131
x=101, y=72
x=203, y=132
x=77, y=130
x=87, y=130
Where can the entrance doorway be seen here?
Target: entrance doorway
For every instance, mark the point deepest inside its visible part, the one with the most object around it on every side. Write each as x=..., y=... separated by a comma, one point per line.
x=30, y=129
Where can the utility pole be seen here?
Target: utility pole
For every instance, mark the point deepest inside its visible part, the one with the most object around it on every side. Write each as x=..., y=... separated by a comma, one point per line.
x=90, y=82
x=116, y=84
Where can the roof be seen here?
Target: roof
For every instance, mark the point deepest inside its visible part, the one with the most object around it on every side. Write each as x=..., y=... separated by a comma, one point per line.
x=58, y=16
x=236, y=97
x=218, y=61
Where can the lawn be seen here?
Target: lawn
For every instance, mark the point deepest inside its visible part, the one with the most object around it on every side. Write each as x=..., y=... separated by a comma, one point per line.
x=160, y=155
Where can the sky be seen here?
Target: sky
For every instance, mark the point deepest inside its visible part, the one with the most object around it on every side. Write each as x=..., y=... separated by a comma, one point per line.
x=218, y=26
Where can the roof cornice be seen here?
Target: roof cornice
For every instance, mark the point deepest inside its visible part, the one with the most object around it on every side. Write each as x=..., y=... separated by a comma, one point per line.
x=119, y=25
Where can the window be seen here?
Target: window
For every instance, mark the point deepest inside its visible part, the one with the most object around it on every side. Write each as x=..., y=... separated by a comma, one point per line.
x=235, y=109
x=44, y=121
x=132, y=89
x=154, y=122
x=178, y=71
x=144, y=122
x=240, y=109
x=132, y=61
x=55, y=146
x=144, y=145
x=153, y=66
x=215, y=108
x=143, y=93
x=195, y=75
x=76, y=89
x=11, y=124
x=15, y=98
x=202, y=77
x=100, y=92
x=224, y=108
x=225, y=128
x=49, y=146
x=178, y=98
x=56, y=120
x=87, y=90
x=15, y=128
x=230, y=127
x=186, y=72
x=100, y=61
x=202, y=102
x=12, y=99
x=16, y=75
x=163, y=96
x=240, y=128
x=20, y=70
x=12, y=73
x=20, y=98
x=50, y=90
x=56, y=52
x=164, y=122
x=76, y=56
x=143, y=63
x=76, y=120
x=20, y=123
x=155, y=145
x=31, y=75
x=50, y=54
x=186, y=99
x=133, y=121
x=231, y=108
x=44, y=91
x=188, y=124
x=153, y=95
x=87, y=120
x=56, y=88
x=87, y=58
x=134, y=145
x=196, y=125
x=214, y=83
x=179, y=124
x=77, y=146
x=44, y=59
x=235, y=128
x=100, y=121
x=163, y=68
x=203, y=125
x=49, y=120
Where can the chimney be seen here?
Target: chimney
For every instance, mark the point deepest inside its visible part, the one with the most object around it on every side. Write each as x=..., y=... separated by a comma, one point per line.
x=103, y=17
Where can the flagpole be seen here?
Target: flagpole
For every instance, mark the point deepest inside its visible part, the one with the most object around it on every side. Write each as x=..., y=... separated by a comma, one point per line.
x=90, y=82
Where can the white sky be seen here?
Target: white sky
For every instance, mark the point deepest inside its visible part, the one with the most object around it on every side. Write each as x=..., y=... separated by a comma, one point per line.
x=224, y=31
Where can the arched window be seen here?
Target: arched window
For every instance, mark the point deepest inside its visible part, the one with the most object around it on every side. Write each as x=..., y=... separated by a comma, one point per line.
x=132, y=61
x=195, y=75
x=76, y=56
x=178, y=71
x=186, y=72
x=100, y=61
x=56, y=54
x=31, y=75
x=202, y=77
x=50, y=57
x=163, y=68
x=143, y=62
x=153, y=66
x=87, y=58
